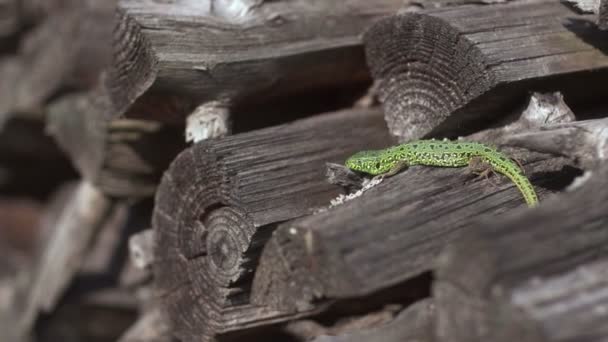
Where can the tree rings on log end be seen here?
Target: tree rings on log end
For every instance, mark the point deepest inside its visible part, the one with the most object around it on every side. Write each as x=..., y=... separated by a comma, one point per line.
x=425, y=69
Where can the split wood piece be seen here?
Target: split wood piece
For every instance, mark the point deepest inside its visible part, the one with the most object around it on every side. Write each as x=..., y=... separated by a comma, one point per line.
x=585, y=142
x=219, y=201
x=433, y=68
x=236, y=52
x=62, y=255
x=67, y=51
x=414, y=324
x=535, y=276
x=599, y=7
x=389, y=234
x=122, y=157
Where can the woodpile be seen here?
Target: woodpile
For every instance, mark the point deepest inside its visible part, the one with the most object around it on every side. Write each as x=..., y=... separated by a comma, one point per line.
x=173, y=171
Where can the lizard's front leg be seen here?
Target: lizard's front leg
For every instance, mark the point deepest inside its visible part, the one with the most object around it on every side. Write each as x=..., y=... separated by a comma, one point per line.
x=401, y=165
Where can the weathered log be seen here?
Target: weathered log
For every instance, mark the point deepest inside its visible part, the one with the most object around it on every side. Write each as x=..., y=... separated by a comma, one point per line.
x=599, y=7
x=390, y=232
x=414, y=324
x=230, y=53
x=221, y=199
x=449, y=71
x=122, y=157
x=536, y=276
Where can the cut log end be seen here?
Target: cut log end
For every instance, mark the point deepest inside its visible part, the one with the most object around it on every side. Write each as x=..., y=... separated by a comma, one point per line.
x=200, y=245
x=425, y=71
x=134, y=66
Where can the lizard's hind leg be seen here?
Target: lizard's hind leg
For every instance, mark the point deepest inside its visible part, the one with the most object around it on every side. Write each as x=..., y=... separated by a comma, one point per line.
x=521, y=166
x=481, y=169
x=401, y=165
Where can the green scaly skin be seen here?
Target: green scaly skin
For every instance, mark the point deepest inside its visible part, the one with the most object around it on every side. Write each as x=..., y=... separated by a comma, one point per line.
x=442, y=153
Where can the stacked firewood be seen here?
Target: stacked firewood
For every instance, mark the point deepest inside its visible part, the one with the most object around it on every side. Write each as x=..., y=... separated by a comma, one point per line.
x=171, y=171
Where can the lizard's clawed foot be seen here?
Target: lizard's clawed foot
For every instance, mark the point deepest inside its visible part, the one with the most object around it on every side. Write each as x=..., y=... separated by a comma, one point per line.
x=401, y=165
x=482, y=170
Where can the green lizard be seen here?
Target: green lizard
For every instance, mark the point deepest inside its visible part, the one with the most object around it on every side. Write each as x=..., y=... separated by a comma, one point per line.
x=481, y=158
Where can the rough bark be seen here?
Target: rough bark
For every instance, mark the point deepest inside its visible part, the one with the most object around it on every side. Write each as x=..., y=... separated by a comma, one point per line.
x=219, y=201
x=536, y=276
x=388, y=233
x=123, y=157
x=234, y=52
x=448, y=71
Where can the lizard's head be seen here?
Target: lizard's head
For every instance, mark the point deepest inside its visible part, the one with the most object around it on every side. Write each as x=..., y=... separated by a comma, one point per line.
x=372, y=162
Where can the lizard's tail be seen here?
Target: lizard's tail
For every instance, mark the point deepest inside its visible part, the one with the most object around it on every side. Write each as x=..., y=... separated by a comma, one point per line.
x=507, y=167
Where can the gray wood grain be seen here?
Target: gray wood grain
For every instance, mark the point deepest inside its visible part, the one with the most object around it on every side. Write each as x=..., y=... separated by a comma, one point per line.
x=450, y=71
x=236, y=52
x=220, y=200
x=536, y=276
